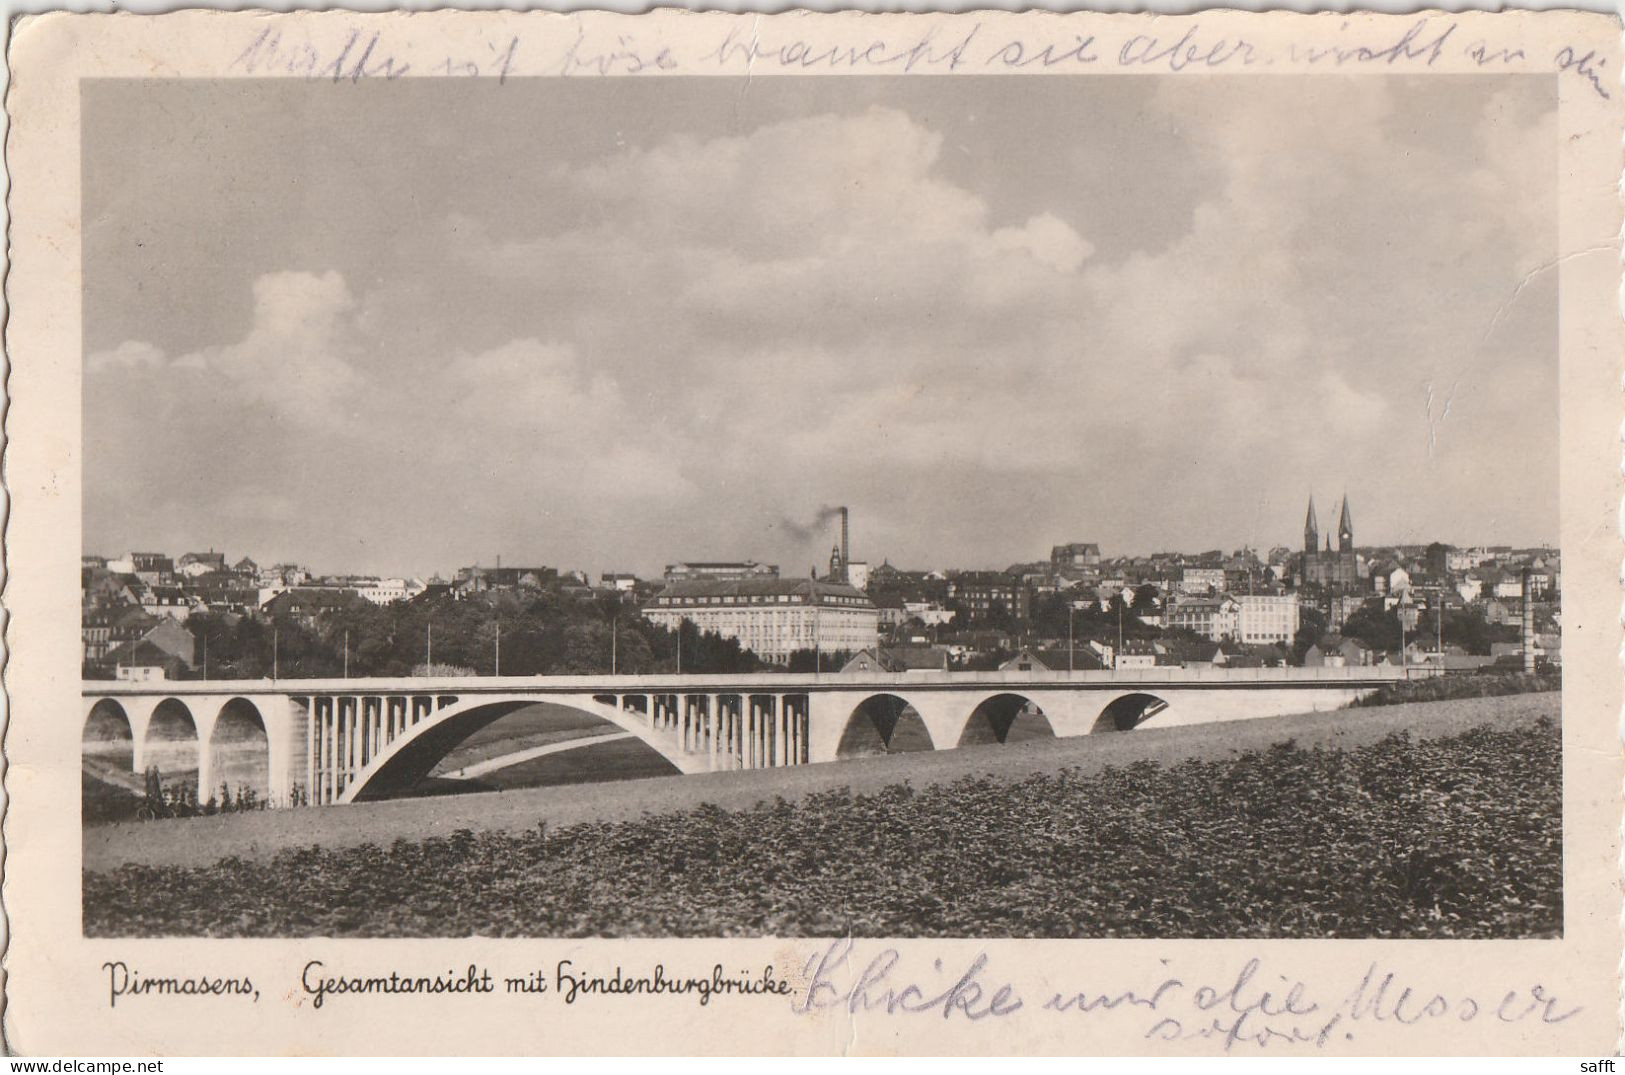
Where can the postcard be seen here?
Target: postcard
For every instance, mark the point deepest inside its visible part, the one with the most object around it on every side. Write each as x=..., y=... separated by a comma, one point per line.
x=813, y=534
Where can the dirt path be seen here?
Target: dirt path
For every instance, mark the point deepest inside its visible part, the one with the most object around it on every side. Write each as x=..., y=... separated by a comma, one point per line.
x=519, y=757
x=202, y=841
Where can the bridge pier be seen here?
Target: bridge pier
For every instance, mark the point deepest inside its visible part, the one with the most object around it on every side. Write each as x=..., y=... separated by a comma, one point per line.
x=138, y=711
x=770, y=732
x=330, y=756
x=785, y=720
x=787, y=731
x=205, y=756
x=765, y=740
x=764, y=737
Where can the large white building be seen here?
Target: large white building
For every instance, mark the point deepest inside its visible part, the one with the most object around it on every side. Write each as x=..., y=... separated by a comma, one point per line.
x=1248, y=618
x=388, y=591
x=857, y=573
x=773, y=618
x=930, y=613
x=1213, y=618
x=1262, y=618
x=1201, y=580
x=720, y=570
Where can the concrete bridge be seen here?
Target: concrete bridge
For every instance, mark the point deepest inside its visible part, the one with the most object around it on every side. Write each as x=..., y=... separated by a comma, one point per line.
x=347, y=740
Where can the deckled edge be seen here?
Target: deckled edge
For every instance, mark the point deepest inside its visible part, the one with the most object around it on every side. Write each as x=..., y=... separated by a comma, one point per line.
x=1619, y=982
x=7, y=38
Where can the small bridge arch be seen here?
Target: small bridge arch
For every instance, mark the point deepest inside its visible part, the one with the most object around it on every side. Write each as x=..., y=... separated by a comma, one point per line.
x=1005, y=718
x=1128, y=712
x=883, y=724
x=240, y=751
x=171, y=744
x=108, y=736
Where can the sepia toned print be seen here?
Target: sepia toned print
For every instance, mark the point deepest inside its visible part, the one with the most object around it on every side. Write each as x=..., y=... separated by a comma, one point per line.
x=1015, y=491
x=933, y=318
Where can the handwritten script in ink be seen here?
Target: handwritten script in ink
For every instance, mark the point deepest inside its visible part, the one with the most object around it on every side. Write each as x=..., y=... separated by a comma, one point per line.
x=1250, y=1007
x=331, y=52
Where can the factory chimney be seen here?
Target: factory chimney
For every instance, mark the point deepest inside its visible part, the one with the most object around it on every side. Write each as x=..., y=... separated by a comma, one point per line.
x=846, y=551
x=1528, y=627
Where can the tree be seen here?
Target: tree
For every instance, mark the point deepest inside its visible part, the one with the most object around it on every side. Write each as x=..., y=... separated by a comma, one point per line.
x=1376, y=626
x=985, y=661
x=1437, y=558
x=542, y=632
x=707, y=651
x=1311, y=626
x=1050, y=612
x=807, y=660
x=254, y=648
x=1468, y=629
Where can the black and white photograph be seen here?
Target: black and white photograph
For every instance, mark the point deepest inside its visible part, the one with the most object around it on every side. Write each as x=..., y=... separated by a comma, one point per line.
x=813, y=534
x=1003, y=507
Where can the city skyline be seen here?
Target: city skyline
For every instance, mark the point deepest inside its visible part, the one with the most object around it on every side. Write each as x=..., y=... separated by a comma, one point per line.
x=786, y=569
x=608, y=325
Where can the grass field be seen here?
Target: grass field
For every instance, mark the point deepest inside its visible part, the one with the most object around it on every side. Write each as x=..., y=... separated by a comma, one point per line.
x=543, y=725
x=1454, y=831
x=535, y=725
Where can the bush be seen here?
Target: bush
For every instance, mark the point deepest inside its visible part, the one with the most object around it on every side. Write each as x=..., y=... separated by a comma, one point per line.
x=1446, y=688
x=1457, y=837
x=102, y=801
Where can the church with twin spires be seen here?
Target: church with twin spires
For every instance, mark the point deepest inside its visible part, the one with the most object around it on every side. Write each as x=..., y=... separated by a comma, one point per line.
x=1338, y=570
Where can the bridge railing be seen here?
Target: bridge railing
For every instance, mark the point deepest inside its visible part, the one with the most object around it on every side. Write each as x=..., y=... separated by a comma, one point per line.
x=766, y=681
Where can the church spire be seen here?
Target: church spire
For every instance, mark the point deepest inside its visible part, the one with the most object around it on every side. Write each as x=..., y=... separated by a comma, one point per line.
x=1345, y=528
x=1311, y=529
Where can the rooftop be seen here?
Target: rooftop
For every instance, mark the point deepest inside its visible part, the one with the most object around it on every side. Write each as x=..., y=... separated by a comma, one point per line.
x=716, y=589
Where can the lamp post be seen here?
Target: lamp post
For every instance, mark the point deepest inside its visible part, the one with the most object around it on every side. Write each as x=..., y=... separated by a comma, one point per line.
x=1402, y=603
x=346, y=654
x=818, y=636
x=1438, y=615
x=275, y=652
x=1071, y=636
x=497, y=669
x=1117, y=654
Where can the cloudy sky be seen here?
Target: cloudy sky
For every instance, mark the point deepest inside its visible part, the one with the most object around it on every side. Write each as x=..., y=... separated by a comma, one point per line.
x=609, y=324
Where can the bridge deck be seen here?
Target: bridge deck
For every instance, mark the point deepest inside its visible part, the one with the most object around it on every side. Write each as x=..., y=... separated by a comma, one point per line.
x=1108, y=679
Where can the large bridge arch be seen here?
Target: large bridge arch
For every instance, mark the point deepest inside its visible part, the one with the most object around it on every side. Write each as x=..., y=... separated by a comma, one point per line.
x=412, y=754
x=240, y=751
x=1005, y=718
x=171, y=745
x=883, y=724
x=1128, y=712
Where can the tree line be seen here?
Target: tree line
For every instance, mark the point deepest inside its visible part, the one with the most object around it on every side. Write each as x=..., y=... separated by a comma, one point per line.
x=550, y=633
x=518, y=634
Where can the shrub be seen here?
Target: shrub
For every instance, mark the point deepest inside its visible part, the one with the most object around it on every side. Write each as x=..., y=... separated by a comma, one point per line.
x=1446, y=688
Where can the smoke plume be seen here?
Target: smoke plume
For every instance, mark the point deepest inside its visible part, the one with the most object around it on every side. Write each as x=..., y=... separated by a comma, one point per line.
x=807, y=531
